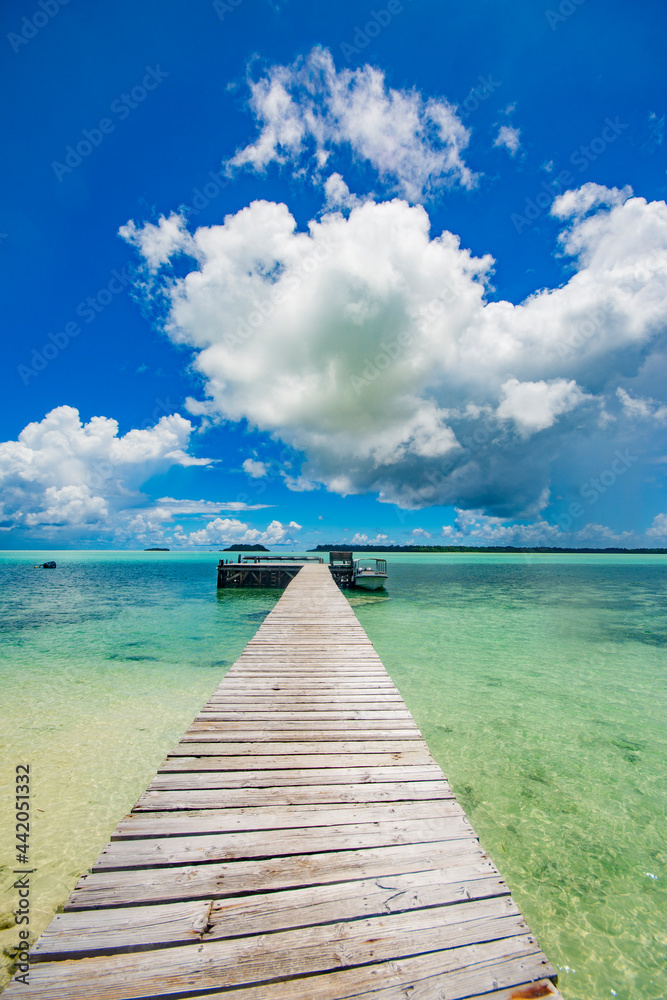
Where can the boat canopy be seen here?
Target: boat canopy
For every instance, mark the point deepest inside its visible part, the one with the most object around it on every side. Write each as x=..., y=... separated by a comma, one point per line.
x=370, y=565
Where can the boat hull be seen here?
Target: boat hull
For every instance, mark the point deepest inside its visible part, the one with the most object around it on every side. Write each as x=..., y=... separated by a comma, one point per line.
x=370, y=582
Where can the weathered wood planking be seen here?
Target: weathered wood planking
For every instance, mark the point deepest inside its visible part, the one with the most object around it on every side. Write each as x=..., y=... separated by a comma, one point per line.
x=300, y=843
x=119, y=929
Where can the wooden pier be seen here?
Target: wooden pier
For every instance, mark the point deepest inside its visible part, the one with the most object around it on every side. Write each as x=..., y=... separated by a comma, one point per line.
x=299, y=843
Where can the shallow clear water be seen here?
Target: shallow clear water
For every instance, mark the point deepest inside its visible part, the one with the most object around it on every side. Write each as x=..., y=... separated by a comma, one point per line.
x=538, y=682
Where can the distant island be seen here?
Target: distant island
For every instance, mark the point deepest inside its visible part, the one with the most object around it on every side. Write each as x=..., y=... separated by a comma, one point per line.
x=476, y=548
x=246, y=548
x=156, y=549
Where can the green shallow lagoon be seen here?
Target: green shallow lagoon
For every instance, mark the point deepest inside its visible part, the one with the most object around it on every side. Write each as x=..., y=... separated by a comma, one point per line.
x=538, y=682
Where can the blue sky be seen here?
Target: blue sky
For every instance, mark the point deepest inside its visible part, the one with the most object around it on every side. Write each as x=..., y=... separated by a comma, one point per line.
x=287, y=272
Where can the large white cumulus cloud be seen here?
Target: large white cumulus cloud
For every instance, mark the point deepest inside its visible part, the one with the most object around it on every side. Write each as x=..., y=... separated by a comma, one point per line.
x=370, y=344
x=62, y=473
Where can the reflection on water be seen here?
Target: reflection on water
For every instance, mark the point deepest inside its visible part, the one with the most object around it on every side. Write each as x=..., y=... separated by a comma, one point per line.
x=367, y=598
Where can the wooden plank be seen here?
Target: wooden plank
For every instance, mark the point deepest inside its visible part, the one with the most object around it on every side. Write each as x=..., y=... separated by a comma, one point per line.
x=217, y=880
x=453, y=973
x=294, y=776
x=197, y=821
x=135, y=928
x=450, y=974
x=324, y=725
x=218, y=746
x=288, y=687
x=214, y=964
x=381, y=791
x=325, y=671
x=319, y=685
x=290, y=715
x=152, y=853
x=301, y=736
x=276, y=762
x=238, y=700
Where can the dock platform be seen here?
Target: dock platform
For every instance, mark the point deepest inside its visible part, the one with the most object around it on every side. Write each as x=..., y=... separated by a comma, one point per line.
x=257, y=573
x=299, y=843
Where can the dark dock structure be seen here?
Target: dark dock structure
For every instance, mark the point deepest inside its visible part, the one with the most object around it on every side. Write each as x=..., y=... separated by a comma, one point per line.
x=298, y=843
x=254, y=571
x=279, y=571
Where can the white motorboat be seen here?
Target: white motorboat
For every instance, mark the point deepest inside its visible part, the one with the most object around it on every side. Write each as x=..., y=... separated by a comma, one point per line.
x=370, y=574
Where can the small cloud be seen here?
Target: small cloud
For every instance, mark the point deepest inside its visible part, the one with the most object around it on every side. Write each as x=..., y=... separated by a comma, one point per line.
x=601, y=534
x=509, y=138
x=642, y=408
x=299, y=484
x=534, y=406
x=337, y=193
x=361, y=538
x=578, y=202
x=659, y=527
x=421, y=533
x=141, y=369
x=199, y=407
x=158, y=243
x=656, y=133
x=256, y=470
x=184, y=507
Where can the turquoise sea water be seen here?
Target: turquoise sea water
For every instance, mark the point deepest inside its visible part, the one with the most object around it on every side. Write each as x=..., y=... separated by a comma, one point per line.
x=538, y=681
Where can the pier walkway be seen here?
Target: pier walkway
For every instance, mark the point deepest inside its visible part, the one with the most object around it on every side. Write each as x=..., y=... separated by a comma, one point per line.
x=299, y=843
